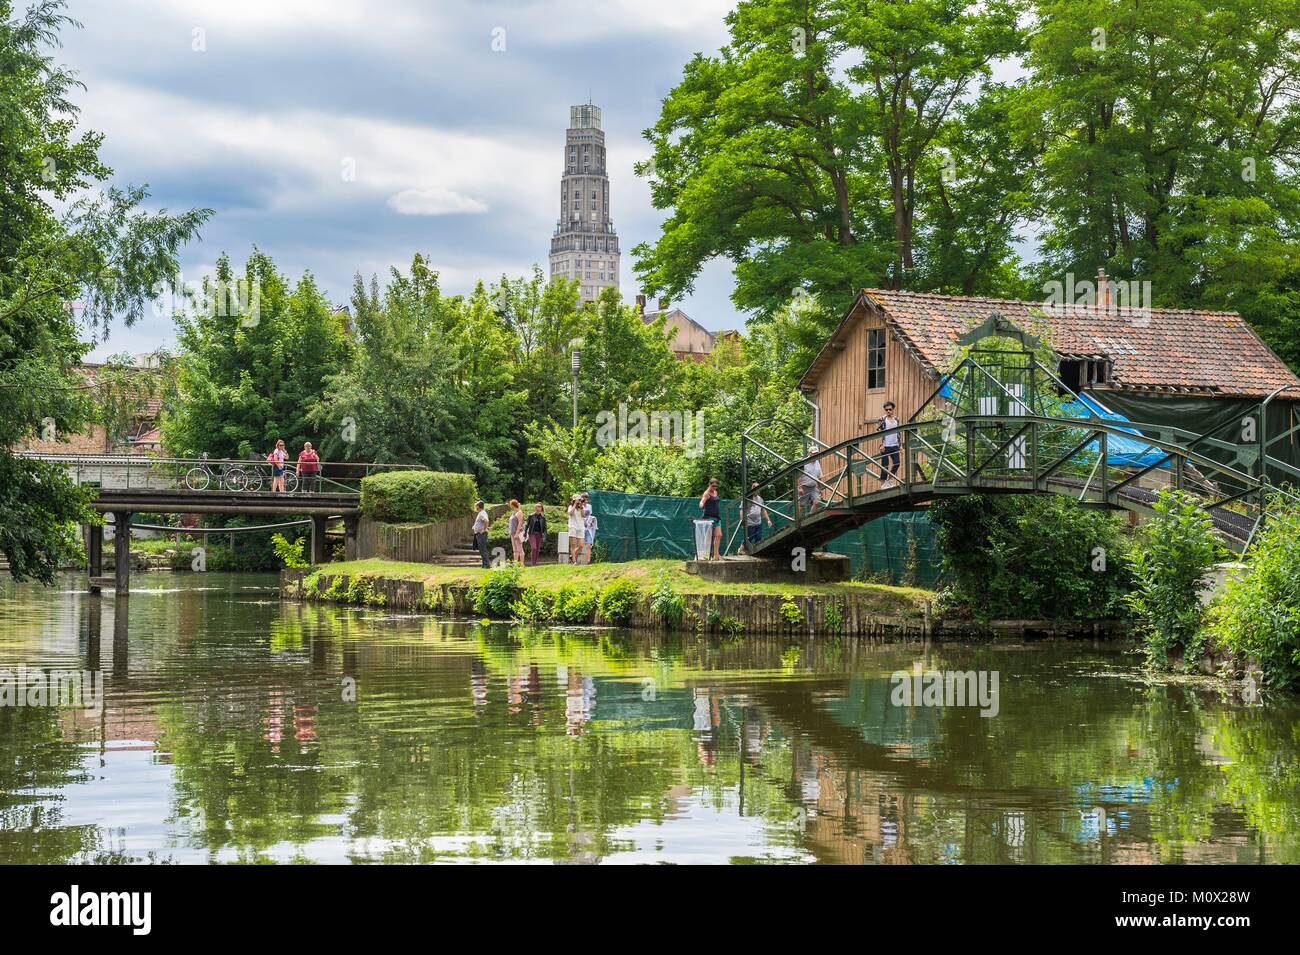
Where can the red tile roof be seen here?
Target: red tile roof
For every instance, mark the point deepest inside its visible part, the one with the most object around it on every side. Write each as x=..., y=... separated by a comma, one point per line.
x=1149, y=349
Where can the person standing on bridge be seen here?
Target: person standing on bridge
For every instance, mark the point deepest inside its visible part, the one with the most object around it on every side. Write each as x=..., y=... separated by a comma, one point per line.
x=308, y=468
x=889, y=448
x=809, y=486
x=481, y=531
x=754, y=518
x=276, y=459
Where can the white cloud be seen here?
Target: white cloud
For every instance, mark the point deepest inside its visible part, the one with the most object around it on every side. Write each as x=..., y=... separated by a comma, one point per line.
x=433, y=201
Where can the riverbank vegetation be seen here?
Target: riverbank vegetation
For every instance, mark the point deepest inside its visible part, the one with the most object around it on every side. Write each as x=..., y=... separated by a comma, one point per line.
x=645, y=575
x=1021, y=556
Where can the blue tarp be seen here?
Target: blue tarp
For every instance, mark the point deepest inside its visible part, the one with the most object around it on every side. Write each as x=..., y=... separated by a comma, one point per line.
x=1120, y=451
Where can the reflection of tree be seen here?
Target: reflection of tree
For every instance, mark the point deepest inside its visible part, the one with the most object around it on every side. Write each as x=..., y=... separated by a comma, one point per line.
x=36, y=762
x=519, y=743
x=1262, y=773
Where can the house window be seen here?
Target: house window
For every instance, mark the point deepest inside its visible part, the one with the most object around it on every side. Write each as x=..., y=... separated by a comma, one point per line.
x=875, y=358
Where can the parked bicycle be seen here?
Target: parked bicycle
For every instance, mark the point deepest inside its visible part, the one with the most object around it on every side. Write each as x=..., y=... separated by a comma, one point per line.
x=259, y=475
x=230, y=477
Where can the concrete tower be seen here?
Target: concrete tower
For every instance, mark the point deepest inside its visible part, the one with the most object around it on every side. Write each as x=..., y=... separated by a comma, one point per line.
x=585, y=245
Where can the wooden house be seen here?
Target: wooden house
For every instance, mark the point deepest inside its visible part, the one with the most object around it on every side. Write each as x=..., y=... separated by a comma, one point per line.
x=1189, y=368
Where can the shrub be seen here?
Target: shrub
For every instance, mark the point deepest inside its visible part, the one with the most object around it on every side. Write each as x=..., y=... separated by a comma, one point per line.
x=1257, y=615
x=618, y=601
x=790, y=611
x=1173, y=554
x=667, y=604
x=495, y=597
x=730, y=626
x=290, y=552
x=574, y=606
x=834, y=617
x=417, y=497
x=1032, y=556
x=532, y=606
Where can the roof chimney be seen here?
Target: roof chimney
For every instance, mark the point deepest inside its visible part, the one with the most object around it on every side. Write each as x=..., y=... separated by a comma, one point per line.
x=640, y=305
x=1103, y=291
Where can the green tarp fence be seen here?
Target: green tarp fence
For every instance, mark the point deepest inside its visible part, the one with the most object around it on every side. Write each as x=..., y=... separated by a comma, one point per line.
x=896, y=548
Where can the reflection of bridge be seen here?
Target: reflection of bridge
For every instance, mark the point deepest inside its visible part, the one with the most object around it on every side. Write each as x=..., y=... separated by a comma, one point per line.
x=1001, y=423
x=126, y=485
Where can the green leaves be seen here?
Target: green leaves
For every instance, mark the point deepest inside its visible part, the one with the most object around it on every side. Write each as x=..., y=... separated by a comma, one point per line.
x=102, y=251
x=1172, y=558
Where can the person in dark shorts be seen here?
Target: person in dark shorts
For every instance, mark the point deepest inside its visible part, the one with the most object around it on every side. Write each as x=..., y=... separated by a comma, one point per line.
x=711, y=504
x=481, y=531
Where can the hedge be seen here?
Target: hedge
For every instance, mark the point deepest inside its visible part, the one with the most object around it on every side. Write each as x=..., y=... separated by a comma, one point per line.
x=417, y=497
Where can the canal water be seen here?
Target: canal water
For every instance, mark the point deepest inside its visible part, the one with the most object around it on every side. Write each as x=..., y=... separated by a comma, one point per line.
x=202, y=720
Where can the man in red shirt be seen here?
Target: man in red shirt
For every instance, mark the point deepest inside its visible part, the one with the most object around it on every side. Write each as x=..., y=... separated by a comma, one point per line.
x=308, y=468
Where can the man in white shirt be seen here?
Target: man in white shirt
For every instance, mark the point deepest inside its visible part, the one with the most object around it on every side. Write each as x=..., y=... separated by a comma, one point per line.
x=481, y=531
x=889, y=449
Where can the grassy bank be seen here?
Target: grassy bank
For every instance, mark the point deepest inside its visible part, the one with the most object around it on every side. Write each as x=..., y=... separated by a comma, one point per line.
x=645, y=574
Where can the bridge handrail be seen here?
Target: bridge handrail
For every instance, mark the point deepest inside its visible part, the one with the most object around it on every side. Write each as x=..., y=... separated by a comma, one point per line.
x=169, y=469
x=150, y=461
x=1092, y=424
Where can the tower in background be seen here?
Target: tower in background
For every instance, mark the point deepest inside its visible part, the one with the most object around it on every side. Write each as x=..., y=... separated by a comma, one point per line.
x=585, y=245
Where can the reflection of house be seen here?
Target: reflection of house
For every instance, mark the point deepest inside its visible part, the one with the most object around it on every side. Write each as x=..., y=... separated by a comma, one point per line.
x=140, y=434
x=691, y=341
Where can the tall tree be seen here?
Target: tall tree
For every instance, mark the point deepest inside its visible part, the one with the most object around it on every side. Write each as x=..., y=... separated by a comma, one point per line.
x=254, y=357
x=1171, y=134
x=102, y=251
x=801, y=153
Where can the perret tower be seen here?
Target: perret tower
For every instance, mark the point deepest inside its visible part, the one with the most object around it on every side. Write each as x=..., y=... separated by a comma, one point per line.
x=585, y=245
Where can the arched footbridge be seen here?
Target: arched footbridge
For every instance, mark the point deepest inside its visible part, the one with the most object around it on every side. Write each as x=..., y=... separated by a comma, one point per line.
x=1002, y=423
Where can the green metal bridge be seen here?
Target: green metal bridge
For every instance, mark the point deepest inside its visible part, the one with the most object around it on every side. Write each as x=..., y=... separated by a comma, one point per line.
x=1003, y=423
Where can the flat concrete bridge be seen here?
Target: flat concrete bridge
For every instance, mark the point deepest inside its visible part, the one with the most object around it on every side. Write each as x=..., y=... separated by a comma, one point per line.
x=127, y=485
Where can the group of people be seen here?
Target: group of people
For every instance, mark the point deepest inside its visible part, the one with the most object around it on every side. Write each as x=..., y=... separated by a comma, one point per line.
x=308, y=466
x=582, y=529
x=532, y=528
x=808, y=486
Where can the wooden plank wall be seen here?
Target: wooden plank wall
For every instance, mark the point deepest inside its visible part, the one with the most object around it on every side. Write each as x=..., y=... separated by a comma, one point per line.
x=848, y=409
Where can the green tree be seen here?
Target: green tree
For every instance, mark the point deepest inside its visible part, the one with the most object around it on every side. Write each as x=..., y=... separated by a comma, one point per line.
x=1170, y=135
x=102, y=250
x=254, y=357
x=806, y=152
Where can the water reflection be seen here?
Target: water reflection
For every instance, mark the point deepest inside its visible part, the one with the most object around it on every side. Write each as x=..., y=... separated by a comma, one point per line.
x=235, y=728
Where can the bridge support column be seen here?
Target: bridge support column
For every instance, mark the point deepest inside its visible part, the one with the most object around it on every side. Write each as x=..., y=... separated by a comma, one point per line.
x=94, y=556
x=350, y=537
x=318, y=548
x=122, y=552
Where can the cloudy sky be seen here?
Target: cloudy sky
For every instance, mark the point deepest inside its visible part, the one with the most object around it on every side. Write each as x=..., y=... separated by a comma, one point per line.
x=260, y=109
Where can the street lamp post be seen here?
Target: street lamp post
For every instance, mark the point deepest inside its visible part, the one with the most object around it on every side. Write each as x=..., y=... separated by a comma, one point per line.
x=575, y=362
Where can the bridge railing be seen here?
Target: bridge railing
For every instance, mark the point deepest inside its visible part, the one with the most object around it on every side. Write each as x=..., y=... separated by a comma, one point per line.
x=1099, y=461
x=203, y=475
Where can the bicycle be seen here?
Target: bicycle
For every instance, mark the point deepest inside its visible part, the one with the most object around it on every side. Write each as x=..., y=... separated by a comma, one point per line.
x=228, y=477
x=262, y=472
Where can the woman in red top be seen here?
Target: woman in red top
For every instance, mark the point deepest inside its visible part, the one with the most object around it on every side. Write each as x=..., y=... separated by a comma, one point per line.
x=308, y=468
